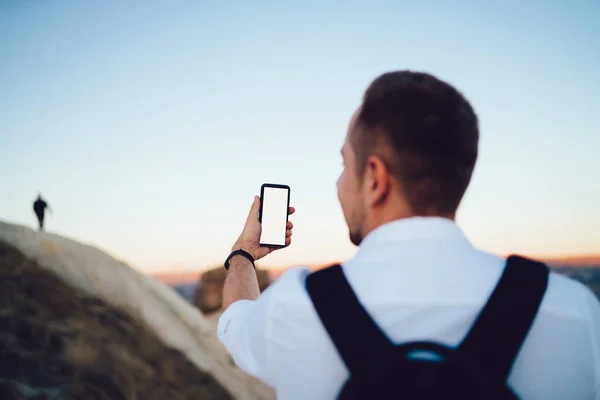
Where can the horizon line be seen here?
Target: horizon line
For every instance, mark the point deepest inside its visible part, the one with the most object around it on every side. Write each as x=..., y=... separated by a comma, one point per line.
x=184, y=276
x=593, y=258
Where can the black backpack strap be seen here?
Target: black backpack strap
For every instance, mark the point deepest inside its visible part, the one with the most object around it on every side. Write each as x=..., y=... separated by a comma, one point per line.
x=358, y=339
x=499, y=331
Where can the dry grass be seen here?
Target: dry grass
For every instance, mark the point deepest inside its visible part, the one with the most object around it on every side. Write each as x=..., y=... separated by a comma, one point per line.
x=61, y=343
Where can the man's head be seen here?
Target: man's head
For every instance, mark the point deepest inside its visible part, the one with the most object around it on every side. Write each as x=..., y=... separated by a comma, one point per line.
x=410, y=151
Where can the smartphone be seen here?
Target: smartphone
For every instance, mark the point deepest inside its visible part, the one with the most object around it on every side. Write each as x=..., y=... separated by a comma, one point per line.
x=273, y=214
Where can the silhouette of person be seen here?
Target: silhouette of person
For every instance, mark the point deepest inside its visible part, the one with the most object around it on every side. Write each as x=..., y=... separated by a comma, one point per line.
x=39, y=207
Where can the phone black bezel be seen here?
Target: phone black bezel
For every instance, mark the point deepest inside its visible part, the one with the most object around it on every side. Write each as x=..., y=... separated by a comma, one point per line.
x=287, y=215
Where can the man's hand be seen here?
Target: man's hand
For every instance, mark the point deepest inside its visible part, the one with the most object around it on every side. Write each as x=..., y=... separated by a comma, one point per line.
x=250, y=236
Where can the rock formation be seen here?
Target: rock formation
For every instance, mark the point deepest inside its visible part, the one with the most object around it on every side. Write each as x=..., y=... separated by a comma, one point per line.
x=73, y=320
x=208, y=297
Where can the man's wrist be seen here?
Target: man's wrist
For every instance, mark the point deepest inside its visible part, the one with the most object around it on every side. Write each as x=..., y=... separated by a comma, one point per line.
x=239, y=261
x=243, y=247
x=239, y=252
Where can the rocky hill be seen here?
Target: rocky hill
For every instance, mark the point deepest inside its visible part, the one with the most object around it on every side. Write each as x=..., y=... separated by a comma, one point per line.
x=208, y=296
x=77, y=324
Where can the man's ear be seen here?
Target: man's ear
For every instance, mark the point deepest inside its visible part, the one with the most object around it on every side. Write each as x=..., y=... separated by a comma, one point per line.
x=376, y=181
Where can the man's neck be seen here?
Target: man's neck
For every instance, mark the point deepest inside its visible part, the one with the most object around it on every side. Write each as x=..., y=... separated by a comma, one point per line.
x=400, y=213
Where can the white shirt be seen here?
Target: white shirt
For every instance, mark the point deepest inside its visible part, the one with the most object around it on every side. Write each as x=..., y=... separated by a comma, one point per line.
x=418, y=278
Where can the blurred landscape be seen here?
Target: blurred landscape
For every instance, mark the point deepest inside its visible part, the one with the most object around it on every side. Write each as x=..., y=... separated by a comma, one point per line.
x=58, y=342
x=76, y=323
x=203, y=289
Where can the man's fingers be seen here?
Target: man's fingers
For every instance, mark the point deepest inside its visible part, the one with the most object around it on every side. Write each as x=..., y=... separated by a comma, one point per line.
x=290, y=225
x=291, y=210
x=288, y=233
x=288, y=241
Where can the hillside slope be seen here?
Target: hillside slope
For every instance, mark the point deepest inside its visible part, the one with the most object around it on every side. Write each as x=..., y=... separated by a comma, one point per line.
x=102, y=301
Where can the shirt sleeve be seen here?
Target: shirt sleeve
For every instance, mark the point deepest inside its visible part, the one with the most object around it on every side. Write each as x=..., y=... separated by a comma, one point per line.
x=244, y=329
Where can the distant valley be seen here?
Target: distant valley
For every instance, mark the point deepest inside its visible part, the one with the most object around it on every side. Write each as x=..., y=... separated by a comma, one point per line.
x=186, y=290
x=586, y=274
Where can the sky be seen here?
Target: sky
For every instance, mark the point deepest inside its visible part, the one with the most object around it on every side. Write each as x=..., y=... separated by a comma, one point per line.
x=149, y=126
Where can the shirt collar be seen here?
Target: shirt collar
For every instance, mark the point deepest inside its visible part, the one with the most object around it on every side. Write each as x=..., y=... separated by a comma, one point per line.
x=420, y=228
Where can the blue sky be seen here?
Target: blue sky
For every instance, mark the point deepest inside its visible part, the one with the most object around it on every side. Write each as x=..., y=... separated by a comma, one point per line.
x=149, y=126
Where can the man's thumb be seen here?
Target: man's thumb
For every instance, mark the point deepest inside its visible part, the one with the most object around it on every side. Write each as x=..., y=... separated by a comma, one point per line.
x=255, y=208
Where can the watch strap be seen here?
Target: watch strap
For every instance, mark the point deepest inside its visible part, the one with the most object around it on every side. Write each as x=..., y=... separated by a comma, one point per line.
x=241, y=253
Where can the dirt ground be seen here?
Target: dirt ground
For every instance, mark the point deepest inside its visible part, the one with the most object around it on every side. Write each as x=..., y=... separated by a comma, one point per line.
x=58, y=343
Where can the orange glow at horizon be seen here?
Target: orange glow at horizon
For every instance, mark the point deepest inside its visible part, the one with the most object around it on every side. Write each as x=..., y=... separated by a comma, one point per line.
x=176, y=277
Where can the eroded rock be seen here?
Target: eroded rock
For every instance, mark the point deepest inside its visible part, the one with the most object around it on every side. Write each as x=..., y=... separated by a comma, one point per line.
x=209, y=292
x=76, y=321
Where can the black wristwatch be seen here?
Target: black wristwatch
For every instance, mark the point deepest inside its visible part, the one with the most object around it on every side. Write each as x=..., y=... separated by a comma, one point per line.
x=241, y=253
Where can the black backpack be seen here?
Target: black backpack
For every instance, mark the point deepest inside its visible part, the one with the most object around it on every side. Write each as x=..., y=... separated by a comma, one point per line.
x=477, y=369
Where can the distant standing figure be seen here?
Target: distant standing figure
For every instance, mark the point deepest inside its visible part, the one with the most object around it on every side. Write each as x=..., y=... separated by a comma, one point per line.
x=39, y=207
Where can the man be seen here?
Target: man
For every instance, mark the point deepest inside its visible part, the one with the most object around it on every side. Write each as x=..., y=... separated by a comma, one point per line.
x=39, y=207
x=408, y=158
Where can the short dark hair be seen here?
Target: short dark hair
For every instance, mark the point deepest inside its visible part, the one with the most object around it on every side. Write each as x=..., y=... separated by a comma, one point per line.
x=427, y=134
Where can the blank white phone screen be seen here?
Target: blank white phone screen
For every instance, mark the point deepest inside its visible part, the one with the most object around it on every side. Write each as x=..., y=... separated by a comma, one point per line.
x=274, y=216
